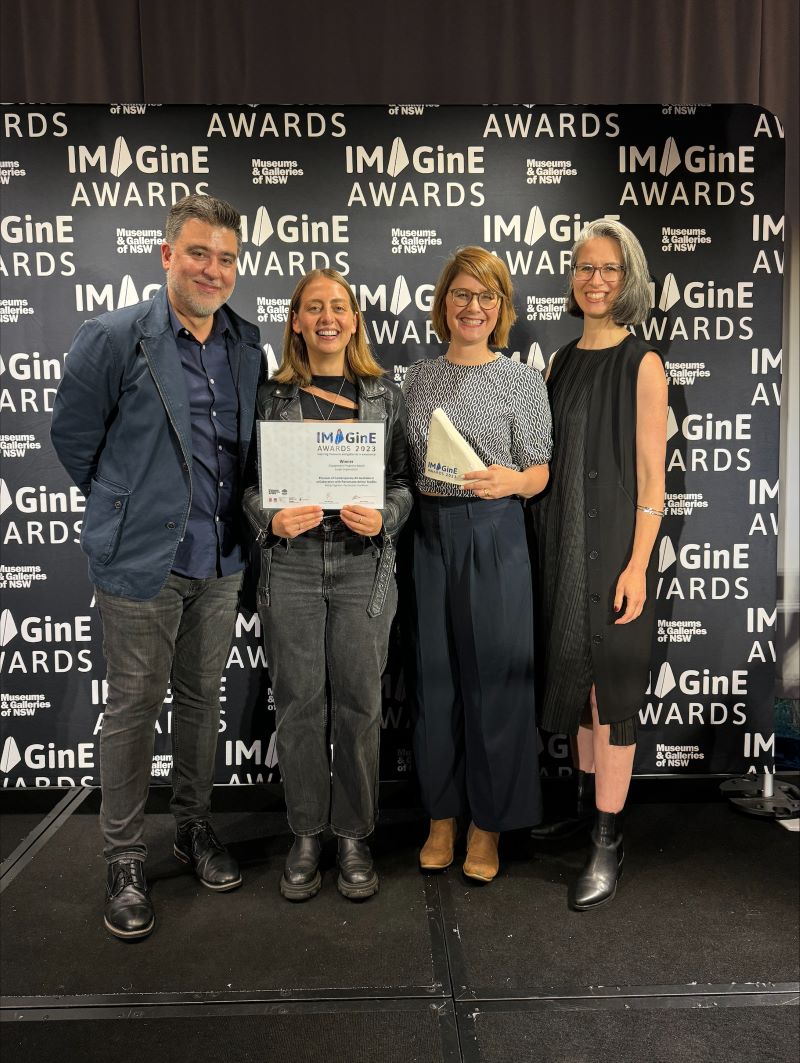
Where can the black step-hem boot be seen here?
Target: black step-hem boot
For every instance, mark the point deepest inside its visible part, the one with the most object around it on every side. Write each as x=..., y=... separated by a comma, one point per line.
x=579, y=820
x=597, y=883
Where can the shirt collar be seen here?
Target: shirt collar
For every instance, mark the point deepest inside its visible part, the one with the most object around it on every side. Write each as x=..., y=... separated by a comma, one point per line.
x=221, y=327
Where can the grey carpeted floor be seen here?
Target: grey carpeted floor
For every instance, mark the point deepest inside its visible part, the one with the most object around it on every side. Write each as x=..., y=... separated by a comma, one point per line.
x=707, y=895
x=672, y=1035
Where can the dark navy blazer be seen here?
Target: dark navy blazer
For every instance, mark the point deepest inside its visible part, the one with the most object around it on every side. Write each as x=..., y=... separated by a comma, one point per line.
x=121, y=428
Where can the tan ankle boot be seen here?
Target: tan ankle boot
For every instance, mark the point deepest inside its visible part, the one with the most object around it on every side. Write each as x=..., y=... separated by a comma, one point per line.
x=437, y=852
x=482, y=861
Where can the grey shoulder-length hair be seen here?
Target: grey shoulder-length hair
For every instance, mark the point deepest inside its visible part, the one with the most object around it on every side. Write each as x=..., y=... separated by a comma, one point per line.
x=633, y=303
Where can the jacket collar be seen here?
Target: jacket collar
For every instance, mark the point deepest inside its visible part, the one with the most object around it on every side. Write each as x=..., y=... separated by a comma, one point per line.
x=156, y=320
x=372, y=386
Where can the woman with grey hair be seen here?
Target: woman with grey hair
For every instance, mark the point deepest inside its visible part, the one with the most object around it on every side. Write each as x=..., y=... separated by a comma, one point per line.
x=596, y=525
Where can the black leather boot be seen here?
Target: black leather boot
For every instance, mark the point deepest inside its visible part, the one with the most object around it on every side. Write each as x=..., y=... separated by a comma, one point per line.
x=301, y=878
x=129, y=911
x=597, y=883
x=357, y=876
x=578, y=819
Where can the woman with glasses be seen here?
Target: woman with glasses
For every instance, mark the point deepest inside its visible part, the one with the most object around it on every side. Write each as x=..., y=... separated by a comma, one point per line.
x=475, y=740
x=596, y=526
x=327, y=593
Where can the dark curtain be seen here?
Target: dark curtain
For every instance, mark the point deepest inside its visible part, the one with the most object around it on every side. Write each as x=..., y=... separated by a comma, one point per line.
x=358, y=51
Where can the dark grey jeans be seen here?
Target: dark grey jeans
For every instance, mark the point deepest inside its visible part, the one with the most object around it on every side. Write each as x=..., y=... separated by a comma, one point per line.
x=184, y=632
x=318, y=634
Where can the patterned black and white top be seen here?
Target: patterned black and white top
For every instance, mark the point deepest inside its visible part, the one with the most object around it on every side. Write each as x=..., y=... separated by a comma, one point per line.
x=500, y=408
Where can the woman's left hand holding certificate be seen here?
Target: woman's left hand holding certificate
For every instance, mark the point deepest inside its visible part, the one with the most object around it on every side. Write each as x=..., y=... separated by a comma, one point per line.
x=293, y=521
x=362, y=520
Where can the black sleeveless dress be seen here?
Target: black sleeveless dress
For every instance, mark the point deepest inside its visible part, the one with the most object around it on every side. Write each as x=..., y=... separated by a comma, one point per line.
x=588, y=510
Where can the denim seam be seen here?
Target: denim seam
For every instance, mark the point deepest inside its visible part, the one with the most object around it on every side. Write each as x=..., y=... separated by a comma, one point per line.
x=330, y=711
x=353, y=835
x=175, y=743
x=309, y=833
x=128, y=854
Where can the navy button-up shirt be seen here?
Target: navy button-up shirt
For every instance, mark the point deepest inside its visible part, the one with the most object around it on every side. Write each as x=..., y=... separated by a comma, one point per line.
x=211, y=545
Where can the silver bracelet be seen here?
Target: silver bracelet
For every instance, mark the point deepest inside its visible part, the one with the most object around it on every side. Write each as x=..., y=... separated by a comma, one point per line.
x=652, y=512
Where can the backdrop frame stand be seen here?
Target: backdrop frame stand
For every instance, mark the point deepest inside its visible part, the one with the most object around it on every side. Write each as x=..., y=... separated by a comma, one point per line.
x=763, y=796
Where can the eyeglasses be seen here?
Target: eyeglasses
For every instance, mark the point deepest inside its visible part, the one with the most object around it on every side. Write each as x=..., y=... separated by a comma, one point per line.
x=486, y=300
x=611, y=272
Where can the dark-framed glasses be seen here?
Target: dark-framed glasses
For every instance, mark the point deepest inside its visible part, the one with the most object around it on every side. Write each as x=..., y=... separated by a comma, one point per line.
x=486, y=300
x=611, y=272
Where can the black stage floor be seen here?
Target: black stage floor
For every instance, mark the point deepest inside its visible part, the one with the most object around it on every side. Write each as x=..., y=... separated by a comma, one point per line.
x=696, y=959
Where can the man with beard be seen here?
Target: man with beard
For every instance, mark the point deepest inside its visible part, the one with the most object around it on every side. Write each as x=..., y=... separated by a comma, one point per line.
x=153, y=421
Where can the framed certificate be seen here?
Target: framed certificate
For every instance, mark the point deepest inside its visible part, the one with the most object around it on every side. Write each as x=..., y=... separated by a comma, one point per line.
x=321, y=463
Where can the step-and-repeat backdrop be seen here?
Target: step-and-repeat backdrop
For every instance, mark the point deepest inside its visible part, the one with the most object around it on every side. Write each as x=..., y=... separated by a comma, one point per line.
x=384, y=194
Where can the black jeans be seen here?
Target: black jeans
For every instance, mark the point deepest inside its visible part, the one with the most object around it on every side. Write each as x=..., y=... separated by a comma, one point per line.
x=184, y=632
x=318, y=635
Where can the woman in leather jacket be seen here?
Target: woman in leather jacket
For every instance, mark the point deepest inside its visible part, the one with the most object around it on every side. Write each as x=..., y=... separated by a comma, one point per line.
x=327, y=592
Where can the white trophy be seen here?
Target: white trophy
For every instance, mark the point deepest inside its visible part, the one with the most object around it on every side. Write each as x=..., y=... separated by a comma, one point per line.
x=449, y=455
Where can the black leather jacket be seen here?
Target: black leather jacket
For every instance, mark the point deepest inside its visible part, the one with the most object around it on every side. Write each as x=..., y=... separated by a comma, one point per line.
x=378, y=400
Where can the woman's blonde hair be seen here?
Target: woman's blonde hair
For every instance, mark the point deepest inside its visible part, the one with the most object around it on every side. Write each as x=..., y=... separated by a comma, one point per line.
x=492, y=273
x=358, y=358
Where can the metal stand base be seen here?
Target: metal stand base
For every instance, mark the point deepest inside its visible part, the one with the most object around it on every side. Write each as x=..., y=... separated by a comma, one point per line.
x=763, y=796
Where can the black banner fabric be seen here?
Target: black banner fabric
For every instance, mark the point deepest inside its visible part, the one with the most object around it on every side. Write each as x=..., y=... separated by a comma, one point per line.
x=384, y=194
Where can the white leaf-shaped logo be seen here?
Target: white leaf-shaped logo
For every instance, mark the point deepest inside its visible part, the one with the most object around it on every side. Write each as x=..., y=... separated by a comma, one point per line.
x=127, y=292
x=535, y=357
x=262, y=227
x=398, y=158
x=536, y=228
x=8, y=627
x=672, y=424
x=666, y=554
x=271, y=759
x=272, y=361
x=121, y=159
x=670, y=157
x=670, y=293
x=401, y=296
x=665, y=681
x=11, y=755
x=5, y=497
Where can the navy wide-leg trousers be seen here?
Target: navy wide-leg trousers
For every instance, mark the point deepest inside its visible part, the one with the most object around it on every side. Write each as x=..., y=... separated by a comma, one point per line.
x=475, y=742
